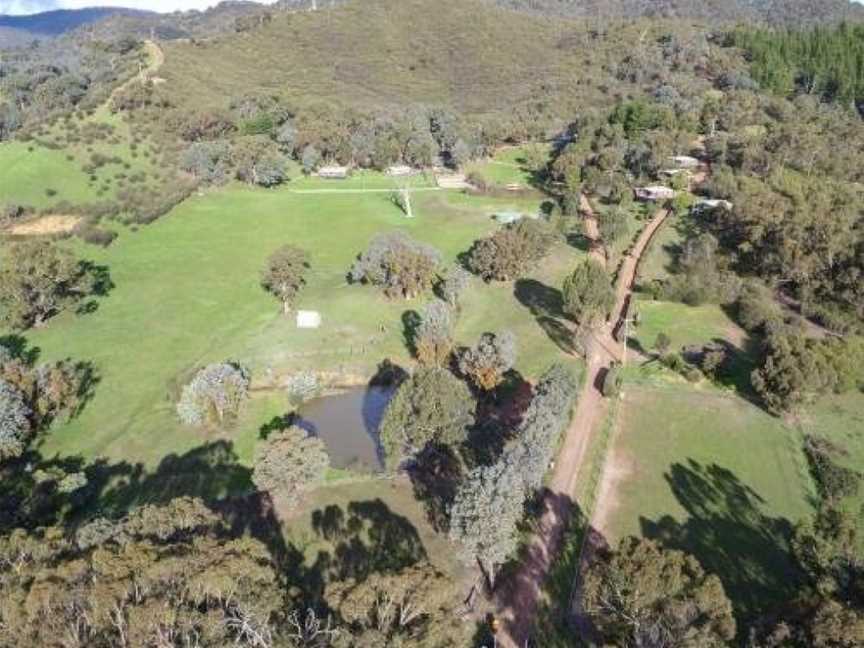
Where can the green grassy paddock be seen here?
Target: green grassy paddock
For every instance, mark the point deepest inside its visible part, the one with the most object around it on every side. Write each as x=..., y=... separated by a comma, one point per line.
x=187, y=293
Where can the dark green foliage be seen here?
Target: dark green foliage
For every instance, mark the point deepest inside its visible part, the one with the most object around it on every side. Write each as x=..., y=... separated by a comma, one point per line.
x=512, y=251
x=796, y=370
x=432, y=407
x=640, y=115
x=757, y=308
x=613, y=381
x=701, y=275
x=834, y=480
x=828, y=61
x=588, y=294
x=613, y=227
x=643, y=594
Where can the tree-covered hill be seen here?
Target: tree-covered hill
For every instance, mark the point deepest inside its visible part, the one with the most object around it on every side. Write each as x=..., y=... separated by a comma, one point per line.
x=53, y=23
x=787, y=12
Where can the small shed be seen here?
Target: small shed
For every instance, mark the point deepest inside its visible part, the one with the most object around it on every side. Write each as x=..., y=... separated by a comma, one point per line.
x=333, y=172
x=671, y=173
x=654, y=193
x=507, y=217
x=399, y=170
x=308, y=319
x=685, y=161
x=453, y=181
x=705, y=203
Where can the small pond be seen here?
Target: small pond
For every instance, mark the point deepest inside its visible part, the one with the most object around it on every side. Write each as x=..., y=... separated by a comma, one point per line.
x=348, y=423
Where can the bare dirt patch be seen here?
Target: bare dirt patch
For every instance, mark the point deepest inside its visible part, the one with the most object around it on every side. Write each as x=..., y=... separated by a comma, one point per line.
x=53, y=224
x=618, y=468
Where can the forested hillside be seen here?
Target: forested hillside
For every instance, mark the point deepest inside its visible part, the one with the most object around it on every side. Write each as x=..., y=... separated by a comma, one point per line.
x=788, y=12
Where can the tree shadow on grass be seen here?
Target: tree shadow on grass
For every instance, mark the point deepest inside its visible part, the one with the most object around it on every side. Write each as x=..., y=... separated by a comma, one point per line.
x=211, y=472
x=435, y=478
x=547, y=306
x=99, y=278
x=366, y=538
x=730, y=534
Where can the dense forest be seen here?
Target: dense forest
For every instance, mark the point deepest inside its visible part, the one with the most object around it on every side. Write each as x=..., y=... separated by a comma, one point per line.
x=825, y=61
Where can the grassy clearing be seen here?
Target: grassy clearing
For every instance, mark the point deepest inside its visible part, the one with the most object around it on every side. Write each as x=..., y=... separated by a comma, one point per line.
x=716, y=476
x=187, y=293
x=506, y=166
x=685, y=325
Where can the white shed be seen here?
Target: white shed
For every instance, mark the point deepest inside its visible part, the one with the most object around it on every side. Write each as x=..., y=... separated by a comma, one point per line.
x=685, y=161
x=654, y=193
x=333, y=172
x=308, y=319
x=399, y=170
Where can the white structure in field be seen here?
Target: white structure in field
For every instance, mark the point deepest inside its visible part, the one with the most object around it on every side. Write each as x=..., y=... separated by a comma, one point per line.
x=333, y=172
x=712, y=204
x=685, y=161
x=399, y=170
x=654, y=193
x=308, y=319
x=453, y=181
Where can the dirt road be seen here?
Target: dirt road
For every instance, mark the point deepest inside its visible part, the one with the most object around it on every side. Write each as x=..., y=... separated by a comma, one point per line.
x=155, y=59
x=518, y=602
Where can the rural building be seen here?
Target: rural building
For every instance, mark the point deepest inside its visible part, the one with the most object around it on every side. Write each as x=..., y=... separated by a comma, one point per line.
x=399, y=170
x=507, y=217
x=453, y=181
x=308, y=319
x=654, y=193
x=704, y=204
x=670, y=173
x=685, y=161
x=333, y=172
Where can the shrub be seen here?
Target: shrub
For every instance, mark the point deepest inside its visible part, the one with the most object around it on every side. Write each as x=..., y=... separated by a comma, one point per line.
x=613, y=381
x=97, y=235
x=833, y=480
x=214, y=395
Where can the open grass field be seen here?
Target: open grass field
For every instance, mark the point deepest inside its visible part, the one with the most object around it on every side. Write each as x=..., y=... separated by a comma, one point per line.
x=685, y=325
x=716, y=476
x=506, y=166
x=187, y=293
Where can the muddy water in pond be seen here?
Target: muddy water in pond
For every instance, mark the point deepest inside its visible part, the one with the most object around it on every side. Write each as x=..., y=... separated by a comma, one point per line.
x=348, y=423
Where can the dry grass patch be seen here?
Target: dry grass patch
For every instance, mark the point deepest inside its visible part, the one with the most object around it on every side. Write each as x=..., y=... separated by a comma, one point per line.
x=46, y=225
